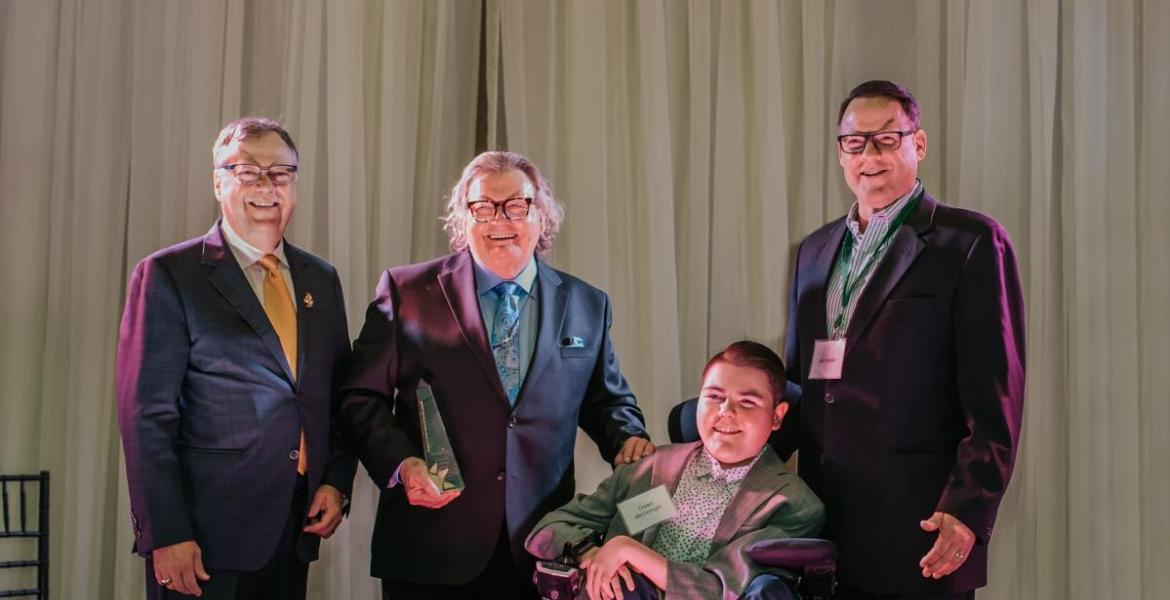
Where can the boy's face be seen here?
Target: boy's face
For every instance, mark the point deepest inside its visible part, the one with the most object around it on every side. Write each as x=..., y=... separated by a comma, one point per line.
x=736, y=413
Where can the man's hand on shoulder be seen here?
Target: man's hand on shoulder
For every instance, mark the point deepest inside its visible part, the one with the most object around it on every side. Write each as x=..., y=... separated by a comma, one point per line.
x=633, y=450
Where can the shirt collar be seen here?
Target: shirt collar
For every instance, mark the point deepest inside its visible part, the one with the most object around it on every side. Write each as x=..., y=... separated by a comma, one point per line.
x=485, y=280
x=885, y=214
x=710, y=468
x=247, y=254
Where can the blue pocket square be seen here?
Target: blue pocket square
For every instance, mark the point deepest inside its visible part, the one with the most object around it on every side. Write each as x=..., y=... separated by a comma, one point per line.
x=572, y=342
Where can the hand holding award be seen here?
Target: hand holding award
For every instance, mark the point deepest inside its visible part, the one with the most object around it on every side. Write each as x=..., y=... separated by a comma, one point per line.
x=440, y=458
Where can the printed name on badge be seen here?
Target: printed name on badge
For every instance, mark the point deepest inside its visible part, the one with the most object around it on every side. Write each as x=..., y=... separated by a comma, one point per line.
x=828, y=357
x=646, y=509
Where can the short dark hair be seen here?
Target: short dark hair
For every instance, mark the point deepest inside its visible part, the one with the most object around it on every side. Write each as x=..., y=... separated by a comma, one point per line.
x=754, y=355
x=246, y=127
x=882, y=88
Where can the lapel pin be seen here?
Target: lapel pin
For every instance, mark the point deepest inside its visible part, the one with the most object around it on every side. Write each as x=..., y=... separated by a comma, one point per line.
x=308, y=300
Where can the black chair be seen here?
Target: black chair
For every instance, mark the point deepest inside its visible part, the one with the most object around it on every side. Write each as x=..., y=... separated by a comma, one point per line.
x=14, y=494
x=812, y=561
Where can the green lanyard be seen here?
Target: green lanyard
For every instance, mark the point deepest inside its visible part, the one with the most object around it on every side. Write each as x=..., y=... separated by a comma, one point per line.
x=851, y=284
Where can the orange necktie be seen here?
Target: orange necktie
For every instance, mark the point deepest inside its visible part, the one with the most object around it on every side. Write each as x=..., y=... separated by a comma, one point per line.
x=278, y=304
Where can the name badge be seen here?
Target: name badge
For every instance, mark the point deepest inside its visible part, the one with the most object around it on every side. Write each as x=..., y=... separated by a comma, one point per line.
x=646, y=509
x=828, y=357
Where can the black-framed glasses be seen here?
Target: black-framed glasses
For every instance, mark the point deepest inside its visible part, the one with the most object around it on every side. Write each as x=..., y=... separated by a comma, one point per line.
x=855, y=143
x=485, y=211
x=248, y=174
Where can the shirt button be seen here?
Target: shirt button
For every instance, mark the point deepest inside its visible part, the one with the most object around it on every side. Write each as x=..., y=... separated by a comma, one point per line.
x=294, y=454
x=500, y=476
x=829, y=399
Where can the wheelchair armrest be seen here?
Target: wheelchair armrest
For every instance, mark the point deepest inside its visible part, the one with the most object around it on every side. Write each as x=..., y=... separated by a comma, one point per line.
x=793, y=554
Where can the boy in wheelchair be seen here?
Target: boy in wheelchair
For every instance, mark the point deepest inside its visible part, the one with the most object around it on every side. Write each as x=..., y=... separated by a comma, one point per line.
x=726, y=492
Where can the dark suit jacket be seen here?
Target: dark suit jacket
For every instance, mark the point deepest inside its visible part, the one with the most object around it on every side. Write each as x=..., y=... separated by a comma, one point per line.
x=926, y=415
x=771, y=504
x=425, y=323
x=208, y=408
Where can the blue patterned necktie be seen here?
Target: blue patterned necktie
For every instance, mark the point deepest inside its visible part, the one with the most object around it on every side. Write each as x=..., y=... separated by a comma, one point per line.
x=505, y=330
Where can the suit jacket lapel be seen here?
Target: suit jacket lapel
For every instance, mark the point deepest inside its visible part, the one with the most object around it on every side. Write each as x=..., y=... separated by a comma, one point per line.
x=227, y=277
x=669, y=462
x=552, y=306
x=822, y=270
x=903, y=250
x=298, y=265
x=762, y=482
x=458, y=282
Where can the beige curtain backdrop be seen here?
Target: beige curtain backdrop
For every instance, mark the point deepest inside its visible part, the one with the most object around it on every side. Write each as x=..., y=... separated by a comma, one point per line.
x=692, y=144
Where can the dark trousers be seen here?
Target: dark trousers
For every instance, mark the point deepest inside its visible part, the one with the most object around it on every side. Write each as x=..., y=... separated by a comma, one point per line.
x=285, y=577
x=847, y=594
x=768, y=587
x=500, y=579
x=644, y=589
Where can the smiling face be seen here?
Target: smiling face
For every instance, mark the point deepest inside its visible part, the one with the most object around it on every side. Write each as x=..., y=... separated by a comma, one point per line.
x=878, y=178
x=736, y=412
x=503, y=247
x=258, y=212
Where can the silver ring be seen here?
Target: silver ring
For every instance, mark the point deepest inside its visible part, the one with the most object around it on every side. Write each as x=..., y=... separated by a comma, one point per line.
x=166, y=581
x=959, y=555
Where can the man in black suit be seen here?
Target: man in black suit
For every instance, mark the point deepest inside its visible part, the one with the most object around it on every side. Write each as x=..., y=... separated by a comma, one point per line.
x=518, y=355
x=906, y=342
x=225, y=368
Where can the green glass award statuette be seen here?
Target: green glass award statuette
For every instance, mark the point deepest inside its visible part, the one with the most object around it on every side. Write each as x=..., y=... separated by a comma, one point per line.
x=441, y=465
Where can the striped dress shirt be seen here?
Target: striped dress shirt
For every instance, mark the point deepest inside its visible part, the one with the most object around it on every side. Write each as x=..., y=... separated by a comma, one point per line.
x=868, y=251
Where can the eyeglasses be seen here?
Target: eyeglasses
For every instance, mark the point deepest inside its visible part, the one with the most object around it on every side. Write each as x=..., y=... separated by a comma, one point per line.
x=485, y=211
x=855, y=143
x=248, y=174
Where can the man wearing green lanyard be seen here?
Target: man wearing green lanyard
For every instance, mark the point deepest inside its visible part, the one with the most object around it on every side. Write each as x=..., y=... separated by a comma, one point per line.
x=905, y=351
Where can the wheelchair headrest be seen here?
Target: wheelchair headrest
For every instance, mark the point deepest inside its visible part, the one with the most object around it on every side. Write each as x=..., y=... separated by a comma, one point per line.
x=681, y=423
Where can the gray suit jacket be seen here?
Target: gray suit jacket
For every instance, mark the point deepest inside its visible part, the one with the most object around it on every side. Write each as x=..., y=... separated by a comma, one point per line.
x=771, y=503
